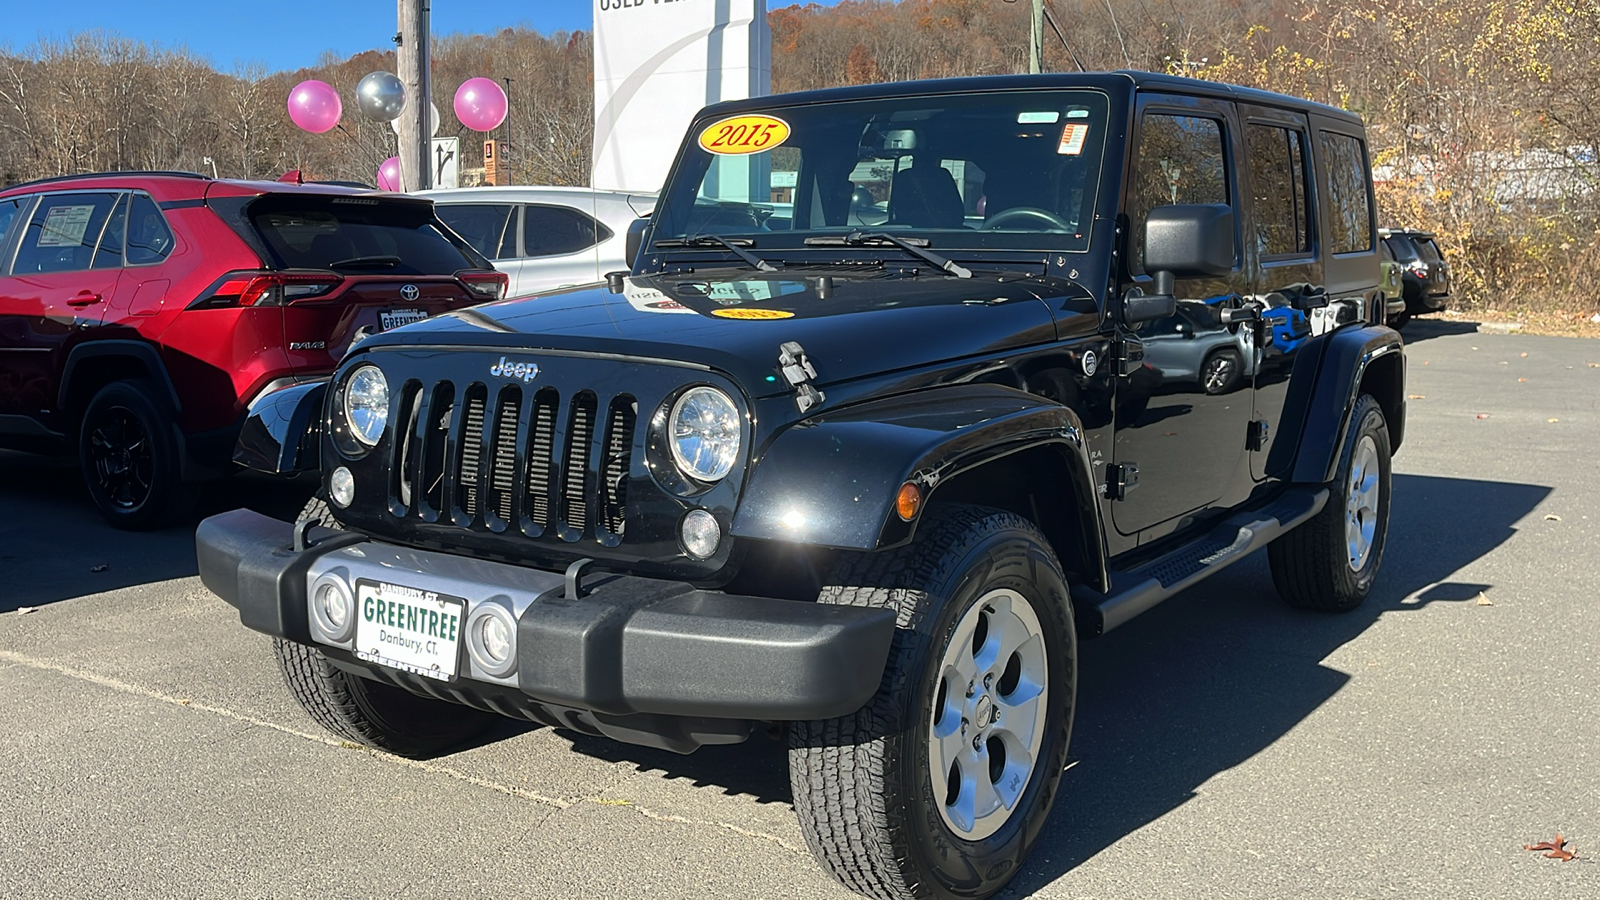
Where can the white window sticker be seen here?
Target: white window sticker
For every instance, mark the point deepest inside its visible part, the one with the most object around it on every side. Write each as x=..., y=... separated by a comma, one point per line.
x=1077, y=114
x=64, y=226
x=1037, y=118
x=1072, y=137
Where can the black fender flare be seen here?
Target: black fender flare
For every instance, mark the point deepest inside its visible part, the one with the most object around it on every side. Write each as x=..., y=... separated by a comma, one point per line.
x=1349, y=355
x=831, y=480
x=282, y=427
x=145, y=354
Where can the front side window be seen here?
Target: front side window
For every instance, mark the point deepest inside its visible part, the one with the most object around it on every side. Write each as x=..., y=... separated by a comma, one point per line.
x=109, y=254
x=1180, y=161
x=1013, y=170
x=1278, y=187
x=63, y=233
x=1349, y=183
x=491, y=228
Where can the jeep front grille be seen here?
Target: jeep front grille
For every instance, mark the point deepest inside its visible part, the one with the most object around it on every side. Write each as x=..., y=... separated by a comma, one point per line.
x=563, y=495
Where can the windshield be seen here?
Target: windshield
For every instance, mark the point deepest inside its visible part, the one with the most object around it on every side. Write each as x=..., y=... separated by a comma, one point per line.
x=1015, y=170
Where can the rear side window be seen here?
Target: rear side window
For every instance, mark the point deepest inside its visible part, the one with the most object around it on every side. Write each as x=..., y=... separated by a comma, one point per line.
x=356, y=234
x=1181, y=160
x=1349, y=183
x=555, y=230
x=490, y=228
x=149, y=237
x=1278, y=185
x=63, y=233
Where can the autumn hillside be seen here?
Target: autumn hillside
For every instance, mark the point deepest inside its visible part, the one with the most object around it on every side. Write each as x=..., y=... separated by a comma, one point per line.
x=1482, y=112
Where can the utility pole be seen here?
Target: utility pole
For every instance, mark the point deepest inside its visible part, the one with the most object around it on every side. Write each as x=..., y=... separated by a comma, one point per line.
x=416, y=143
x=1036, y=37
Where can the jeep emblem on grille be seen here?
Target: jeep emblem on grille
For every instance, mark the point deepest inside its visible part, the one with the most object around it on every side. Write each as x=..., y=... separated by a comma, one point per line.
x=526, y=371
x=409, y=292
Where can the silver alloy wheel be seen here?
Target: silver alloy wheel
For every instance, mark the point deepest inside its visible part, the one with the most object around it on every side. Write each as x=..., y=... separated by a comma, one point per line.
x=1361, y=507
x=988, y=714
x=1218, y=373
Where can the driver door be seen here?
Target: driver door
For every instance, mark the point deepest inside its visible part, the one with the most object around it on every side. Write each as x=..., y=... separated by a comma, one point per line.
x=1182, y=415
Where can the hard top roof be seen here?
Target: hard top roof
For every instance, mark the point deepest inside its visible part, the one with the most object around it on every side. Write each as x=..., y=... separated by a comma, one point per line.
x=164, y=186
x=1122, y=81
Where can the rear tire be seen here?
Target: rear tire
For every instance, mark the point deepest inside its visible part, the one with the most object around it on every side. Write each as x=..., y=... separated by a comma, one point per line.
x=908, y=796
x=130, y=453
x=1400, y=320
x=1220, y=371
x=365, y=711
x=1330, y=562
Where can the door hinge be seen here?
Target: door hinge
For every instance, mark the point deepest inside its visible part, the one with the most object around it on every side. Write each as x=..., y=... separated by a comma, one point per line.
x=1120, y=479
x=1256, y=436
x=1128, y=353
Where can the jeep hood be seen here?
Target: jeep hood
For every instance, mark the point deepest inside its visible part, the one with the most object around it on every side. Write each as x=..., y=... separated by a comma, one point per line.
x=735, y=321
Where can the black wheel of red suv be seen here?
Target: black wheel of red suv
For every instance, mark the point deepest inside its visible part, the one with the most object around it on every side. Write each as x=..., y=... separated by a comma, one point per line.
x=940, y=784
x=128, y=449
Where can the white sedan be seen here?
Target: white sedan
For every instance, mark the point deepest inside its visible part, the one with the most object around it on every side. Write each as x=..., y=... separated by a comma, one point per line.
x=544, y=238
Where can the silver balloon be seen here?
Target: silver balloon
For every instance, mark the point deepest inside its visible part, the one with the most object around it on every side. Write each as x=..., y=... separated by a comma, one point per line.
x=381, y=96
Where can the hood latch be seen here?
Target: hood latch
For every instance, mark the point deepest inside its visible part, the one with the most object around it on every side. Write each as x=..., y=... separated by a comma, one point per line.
x=798, y=371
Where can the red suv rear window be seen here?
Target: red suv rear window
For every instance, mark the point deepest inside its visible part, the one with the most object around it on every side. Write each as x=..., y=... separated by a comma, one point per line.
x=356, y=234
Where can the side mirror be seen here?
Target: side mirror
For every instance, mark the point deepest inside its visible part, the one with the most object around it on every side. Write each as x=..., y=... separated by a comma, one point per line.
x=1180, y=241
x=635, y=239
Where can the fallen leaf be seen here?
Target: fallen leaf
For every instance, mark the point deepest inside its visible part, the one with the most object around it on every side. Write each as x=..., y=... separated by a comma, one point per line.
x=1551, y=517
x=185, y=702
x=1552, y=421
x=1557, y=849
x=1416, y=397
x=1524, y=356
x=1424, y=362
x=1483, y=600
x=1594, y=365
x=1504, y=363
x=100, y=568
x=1522, y=379
x=1483, y=415
x=24, y=610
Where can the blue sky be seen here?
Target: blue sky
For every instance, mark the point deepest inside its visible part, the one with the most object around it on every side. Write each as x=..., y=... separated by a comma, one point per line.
x=283, y=34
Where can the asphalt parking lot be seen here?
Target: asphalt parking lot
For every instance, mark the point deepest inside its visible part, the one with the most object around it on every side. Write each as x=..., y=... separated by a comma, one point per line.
x=1228, y=746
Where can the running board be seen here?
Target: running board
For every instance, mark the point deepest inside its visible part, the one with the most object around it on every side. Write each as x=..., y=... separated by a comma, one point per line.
x=1139, y=589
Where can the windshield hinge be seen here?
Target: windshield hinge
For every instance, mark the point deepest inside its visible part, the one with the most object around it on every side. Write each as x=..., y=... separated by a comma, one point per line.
x=798, y=372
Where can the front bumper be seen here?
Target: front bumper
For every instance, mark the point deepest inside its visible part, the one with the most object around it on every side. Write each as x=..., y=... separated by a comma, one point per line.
x=626, y=646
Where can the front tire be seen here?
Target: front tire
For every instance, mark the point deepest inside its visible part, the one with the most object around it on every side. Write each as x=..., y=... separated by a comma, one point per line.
x=1220, y=371
x=130, y=453
x=940, y=784
x=1330, y=562
x=369, y=712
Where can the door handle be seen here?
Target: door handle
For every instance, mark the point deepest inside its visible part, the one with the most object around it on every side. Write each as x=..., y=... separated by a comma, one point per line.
x=84, y=298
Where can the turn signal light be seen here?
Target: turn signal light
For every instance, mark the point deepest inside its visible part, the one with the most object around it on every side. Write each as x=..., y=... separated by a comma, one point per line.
x=908, y=502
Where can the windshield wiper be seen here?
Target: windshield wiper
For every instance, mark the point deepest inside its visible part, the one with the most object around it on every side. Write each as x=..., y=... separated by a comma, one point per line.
x=387, y=262
x=737, y=246
x=913, y=246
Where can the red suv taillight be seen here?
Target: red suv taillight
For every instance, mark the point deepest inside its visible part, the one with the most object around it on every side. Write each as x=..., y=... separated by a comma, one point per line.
x=265, y=289
x=486, y=285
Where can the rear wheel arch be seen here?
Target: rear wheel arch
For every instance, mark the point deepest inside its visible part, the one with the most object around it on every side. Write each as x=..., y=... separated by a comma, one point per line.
x=92, y=366
x=1385, y=379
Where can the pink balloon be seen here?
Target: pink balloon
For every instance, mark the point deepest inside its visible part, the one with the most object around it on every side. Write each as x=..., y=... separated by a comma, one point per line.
x=315, y=106
x=480, y=104
x=389, y=174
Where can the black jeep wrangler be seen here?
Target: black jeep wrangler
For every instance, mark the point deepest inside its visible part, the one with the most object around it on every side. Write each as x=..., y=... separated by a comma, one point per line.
x=910, y=388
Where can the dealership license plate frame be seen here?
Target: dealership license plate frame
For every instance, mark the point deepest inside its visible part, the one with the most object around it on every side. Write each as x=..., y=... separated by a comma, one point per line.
x=446, y=663
x=390, y=319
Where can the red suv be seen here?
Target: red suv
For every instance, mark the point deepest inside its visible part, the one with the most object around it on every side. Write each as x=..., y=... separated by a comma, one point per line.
x=141, y=313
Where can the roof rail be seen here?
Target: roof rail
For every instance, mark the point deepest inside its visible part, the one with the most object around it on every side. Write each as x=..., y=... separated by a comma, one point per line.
x=83, y=175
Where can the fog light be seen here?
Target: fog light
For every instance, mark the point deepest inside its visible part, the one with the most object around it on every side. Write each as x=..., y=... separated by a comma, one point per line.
x=700, y=533
x=332, y=608
x=492, y=637
x=342, y=487
x=496, y=639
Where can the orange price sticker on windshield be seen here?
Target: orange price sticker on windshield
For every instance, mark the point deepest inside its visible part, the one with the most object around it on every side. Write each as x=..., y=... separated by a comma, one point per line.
x=740, y=135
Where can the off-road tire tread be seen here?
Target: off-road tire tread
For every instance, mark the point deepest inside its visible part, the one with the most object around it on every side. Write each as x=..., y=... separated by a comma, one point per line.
x=1309, y=565
x=849, y=828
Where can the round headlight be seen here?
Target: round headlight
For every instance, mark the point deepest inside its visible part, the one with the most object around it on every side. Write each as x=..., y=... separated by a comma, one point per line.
x=366, y=404
x=703, y=432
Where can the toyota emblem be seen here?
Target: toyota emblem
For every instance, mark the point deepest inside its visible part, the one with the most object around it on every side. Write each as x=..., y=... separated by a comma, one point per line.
x=409, y=292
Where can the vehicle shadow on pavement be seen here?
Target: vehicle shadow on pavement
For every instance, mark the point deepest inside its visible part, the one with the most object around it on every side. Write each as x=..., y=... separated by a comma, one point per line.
x=1422, y=329
x=55, y=546
x=1209, y=679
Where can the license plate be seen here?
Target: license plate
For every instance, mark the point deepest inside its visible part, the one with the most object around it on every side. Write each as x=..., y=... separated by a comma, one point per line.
x=394, y=318
x=409, y=629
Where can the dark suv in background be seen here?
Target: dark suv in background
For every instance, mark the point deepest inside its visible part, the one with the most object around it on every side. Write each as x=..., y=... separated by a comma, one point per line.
x=1424, y=274
x=140, y=313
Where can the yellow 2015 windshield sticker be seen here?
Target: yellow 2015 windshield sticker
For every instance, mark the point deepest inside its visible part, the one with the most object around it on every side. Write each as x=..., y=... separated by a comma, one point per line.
x=739, y=135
